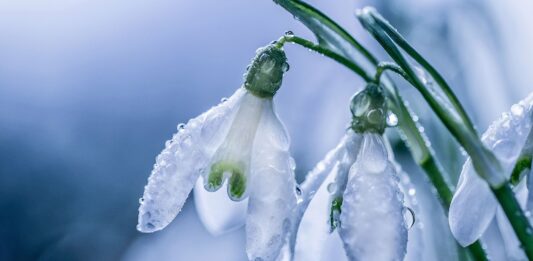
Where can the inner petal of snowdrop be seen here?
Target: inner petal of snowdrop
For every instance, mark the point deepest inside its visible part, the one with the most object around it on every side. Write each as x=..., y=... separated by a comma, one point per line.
x=232, y=159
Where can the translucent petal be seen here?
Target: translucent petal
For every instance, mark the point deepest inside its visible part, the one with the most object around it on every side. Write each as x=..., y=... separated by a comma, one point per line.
x=217, y=211
x=314, y=241
x=372, y=220
x=272, y=191
x=179, y=164
x=473, y=205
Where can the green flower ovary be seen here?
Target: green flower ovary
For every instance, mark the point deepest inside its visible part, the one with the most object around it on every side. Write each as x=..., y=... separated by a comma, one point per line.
x=369, y=110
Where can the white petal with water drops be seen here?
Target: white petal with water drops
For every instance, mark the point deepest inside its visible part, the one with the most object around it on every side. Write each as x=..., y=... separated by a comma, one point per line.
x=473, y=205
x=372, y=220
x=272, y=198
x=314, y=241
x=181, y=162
x=217, y=211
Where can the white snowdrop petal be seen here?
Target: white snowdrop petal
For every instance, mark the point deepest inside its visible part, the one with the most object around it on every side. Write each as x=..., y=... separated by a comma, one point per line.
x=473, y=205
x=272, y=196
x=314, y=240
x=372, y=221
x=217, y=211
x=472, y=208
x=178, y=166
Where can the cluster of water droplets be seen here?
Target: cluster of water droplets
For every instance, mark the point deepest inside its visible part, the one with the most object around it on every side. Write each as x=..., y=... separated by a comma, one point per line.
x=372, y=214
x=178, y=166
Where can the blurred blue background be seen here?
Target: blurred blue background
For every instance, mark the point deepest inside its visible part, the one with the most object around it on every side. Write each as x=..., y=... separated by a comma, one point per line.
x=90, y=90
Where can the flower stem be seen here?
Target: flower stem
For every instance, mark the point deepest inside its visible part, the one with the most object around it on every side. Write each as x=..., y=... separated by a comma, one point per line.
x=485, y=163
x=326, y=52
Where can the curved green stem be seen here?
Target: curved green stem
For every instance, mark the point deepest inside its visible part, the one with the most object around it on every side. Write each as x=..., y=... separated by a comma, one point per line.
x=485, y=163
x=400, y=40
x=326, y=52
x=384, y=66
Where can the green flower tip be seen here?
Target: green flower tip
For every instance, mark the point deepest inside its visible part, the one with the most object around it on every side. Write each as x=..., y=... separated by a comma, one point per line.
x=334, y=213
x=264, y=75
x=237, y=180
x=369, y=110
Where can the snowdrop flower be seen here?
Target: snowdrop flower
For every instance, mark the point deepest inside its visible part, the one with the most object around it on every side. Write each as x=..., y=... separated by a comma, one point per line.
x=241, y=145
x=365, y=202
x=474, y=207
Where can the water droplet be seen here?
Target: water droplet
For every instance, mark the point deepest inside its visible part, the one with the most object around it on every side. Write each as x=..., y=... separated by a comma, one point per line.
x=411, y=192
x=421, y=129
x=375, y=116
x=285, y=67
x=181, y=127
x=289, y=33
x=392, y=120
x=224, y=99
x=168, y=143
x=298, y=190
x=141, y=200
x=292, y=163
x=274, y=42
x=409, y=217
x=517, y=110
x=332, y=187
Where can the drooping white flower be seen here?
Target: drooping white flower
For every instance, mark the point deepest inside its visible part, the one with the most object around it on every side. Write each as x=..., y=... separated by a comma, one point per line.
x=240, y=145
x=360, y=197
x=474, y=207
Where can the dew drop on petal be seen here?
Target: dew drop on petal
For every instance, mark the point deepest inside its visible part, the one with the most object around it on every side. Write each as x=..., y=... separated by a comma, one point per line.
x=411, y=192
x=517, y=110
x=332, y=188
x=409, y=217
x=289, y=33
x=224, y=99
x=180, y=127
x=298, y=190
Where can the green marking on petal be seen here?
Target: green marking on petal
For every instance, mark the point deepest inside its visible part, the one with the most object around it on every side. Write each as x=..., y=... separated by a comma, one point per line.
x=237, y=186
x=334, y=214
x=237, y=180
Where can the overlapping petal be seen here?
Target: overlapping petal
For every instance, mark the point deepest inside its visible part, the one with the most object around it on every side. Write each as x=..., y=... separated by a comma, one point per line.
x=272, y=197
x=314, y=239
x=178, y=166
x=473, y=205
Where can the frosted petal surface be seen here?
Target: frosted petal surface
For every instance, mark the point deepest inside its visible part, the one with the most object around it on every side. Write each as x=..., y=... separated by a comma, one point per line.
x=180, y=163
x=372, y=222
x=217, y=211
x=272, y=198
x=473, y=205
